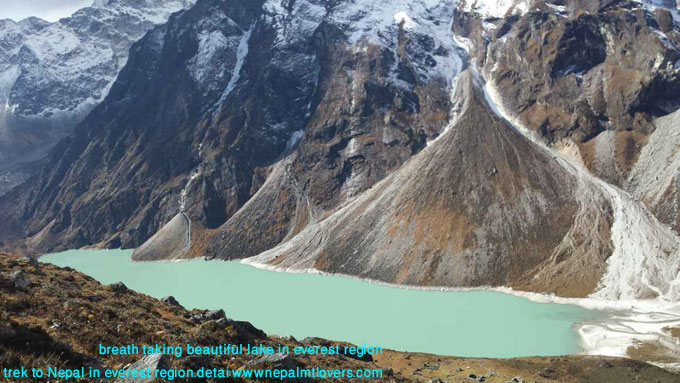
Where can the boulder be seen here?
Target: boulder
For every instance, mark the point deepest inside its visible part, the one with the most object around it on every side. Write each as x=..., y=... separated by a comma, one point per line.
x=170, y=300
x=19, y=280
x=152, y=362
x=245, y=330
x=479, y=378
x=546, y=373
x=206, y=315
x=364, y=358
x=118, y=287
x=215, y=315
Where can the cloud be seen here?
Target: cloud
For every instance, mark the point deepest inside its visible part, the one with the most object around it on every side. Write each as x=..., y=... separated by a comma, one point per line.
x=50, y=10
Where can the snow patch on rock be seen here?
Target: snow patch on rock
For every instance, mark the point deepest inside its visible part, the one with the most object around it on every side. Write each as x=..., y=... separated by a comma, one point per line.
x=209, y=43
x=402, y=18
x=495, y=8
x=671, y=5
x=294, y=23
x=428, y=24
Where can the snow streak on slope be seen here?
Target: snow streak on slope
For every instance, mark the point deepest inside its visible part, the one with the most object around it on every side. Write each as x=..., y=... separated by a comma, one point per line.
x=185, y=191
x=187, y=241
x=495, y=8
x=241, y=53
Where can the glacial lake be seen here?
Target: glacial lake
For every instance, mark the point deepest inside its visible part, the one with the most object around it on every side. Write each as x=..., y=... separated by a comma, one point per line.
x=474, y=324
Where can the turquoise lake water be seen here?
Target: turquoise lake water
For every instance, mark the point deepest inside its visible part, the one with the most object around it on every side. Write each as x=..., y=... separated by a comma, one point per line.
x=475, y=324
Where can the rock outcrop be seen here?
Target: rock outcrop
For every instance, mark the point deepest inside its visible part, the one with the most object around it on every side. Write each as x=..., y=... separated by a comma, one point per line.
x=152, y=363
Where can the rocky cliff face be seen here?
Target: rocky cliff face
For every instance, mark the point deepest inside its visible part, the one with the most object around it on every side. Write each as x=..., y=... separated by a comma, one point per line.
x=53, y=74
x=327, y=135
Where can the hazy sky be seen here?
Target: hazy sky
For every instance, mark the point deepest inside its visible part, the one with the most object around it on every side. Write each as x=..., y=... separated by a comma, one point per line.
x=50, y=10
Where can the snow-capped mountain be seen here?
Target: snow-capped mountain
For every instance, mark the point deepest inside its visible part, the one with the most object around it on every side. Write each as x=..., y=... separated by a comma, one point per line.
x=53, y=74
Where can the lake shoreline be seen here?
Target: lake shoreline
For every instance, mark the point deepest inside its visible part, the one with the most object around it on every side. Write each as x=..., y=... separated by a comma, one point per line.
x=471, y=323
x=602, y=335
x=594, y=334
